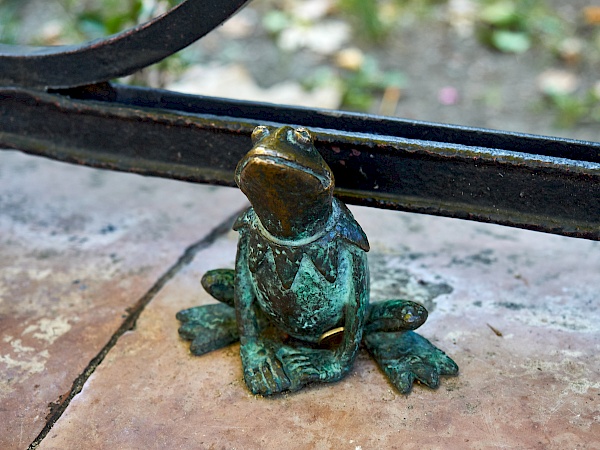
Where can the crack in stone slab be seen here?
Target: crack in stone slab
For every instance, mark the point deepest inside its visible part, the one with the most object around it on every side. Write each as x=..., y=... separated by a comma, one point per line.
x=59, y=407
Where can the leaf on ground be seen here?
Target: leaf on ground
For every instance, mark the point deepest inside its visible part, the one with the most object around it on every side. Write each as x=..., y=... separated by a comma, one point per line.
x=557, y=82
x=592, y=15
x=511, y=41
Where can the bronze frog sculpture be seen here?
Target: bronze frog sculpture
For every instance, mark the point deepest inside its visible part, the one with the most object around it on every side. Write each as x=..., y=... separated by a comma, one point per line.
x=298, y=299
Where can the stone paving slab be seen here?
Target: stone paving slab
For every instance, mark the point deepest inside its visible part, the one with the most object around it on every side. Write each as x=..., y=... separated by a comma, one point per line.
x=78, y=249
x=517, y=310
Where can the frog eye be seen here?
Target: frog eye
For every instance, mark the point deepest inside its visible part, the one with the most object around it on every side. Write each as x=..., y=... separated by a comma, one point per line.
x=259, y=133
x=303, y=136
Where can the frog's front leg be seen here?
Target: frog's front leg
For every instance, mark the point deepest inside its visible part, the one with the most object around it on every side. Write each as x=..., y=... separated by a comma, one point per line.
x=263, y=372
x=304, y=365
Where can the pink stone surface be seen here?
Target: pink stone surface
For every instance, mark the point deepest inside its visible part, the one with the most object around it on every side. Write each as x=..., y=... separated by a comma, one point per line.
x=78, y=248
x=537, y=386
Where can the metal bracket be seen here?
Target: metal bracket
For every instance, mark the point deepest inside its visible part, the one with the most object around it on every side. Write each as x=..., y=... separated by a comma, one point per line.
x=66, y=66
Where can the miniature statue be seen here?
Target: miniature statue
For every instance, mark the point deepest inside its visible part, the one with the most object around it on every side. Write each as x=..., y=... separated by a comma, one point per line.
x=298, y=299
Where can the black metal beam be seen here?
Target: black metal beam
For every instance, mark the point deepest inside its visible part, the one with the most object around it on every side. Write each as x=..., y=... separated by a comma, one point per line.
x=540, y=183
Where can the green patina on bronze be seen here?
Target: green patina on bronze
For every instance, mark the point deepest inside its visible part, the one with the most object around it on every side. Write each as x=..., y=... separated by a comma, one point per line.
x=298, y=299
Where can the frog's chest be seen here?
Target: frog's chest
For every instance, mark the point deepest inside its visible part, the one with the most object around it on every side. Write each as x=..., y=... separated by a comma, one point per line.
x=301, y=298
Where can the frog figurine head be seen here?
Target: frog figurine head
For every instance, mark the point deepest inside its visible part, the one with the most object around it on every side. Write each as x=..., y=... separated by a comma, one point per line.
x=287, y=181
x=298, y=298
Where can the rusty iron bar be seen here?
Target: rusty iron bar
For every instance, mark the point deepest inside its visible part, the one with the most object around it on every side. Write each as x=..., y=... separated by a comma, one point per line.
x=534, y=182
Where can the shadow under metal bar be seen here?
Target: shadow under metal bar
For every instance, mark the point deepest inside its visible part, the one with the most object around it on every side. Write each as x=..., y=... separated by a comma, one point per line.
x=534, y=182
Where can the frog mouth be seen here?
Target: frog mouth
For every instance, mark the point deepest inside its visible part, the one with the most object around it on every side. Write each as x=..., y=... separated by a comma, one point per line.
x=264, y=156
x=291, y=199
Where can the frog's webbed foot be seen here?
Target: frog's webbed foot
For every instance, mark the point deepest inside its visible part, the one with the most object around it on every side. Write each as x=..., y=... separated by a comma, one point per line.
x=307, y=365
x=406, y=356
x=209, y=327
x=263, y=372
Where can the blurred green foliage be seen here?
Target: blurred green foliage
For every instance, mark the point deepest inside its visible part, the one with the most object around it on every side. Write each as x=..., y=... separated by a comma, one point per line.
x=9, y=21
x=375, y=19
x=573, y=109
x=513, y=26
x=366, y=15
x=361, y=87
x=507, y=26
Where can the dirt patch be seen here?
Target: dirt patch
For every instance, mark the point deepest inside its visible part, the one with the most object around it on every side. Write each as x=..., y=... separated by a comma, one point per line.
x=391, y=280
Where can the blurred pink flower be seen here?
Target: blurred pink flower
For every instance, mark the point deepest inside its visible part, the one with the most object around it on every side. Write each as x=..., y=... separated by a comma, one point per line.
x=448, y=95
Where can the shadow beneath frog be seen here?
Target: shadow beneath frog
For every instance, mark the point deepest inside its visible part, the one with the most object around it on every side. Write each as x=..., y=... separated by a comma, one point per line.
x=403, y=355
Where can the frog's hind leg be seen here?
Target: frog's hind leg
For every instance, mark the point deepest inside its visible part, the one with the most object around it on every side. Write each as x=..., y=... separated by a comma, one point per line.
x=403, y=355
x=394, y=315
x=213, y=326
x=219, y=283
